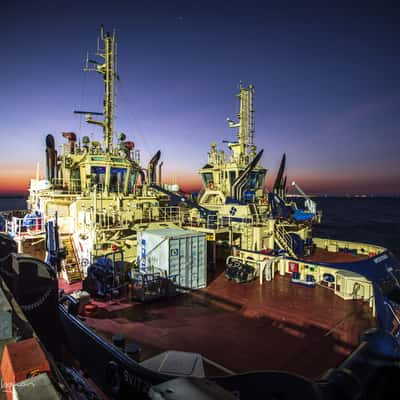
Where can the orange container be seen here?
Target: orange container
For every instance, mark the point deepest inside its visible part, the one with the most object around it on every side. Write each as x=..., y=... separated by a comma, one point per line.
x=20, y=361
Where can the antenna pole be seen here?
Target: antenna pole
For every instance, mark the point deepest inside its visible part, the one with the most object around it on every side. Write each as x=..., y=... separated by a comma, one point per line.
x=107, y=69
x=245, y=124
x=246, y=121
x=109, y=56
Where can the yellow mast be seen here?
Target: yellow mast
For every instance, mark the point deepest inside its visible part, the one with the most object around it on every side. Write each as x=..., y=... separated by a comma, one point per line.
x=107, y=69
x=246, y=121
x=245, y=125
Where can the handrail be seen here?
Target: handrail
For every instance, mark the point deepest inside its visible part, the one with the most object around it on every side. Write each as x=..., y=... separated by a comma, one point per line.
x=74, y=185
x=19, y=227
x=287, y=240
x=285, y=236
x=75, y=251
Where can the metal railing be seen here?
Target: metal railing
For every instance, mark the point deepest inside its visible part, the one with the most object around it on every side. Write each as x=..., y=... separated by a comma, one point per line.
x=213, y=221
x=125, y=218
x=110, y=220
x=284, y=239
x=74, y=185
x=170, y=214
x=27, y=226
x=31, y=225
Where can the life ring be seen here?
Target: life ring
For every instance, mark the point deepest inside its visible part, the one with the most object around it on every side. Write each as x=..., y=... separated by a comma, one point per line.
x=113, y=378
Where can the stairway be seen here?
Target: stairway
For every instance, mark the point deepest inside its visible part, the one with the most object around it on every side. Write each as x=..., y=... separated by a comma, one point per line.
x=247, y=238
x=284, y=241
x=254, y=213
x=71, y=270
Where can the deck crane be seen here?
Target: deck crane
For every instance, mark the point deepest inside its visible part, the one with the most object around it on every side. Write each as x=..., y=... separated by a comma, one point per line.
x=309, y=204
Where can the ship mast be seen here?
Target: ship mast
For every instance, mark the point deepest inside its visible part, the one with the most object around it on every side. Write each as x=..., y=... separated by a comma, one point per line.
x=245, y=125
x=107, y=69
x=246, y=121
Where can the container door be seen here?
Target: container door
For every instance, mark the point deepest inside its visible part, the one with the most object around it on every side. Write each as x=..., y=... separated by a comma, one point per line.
x=203, y=260
x=183, y=265
x=143, y=255
x=198, y=261
x=174, y=257
x=194, y=270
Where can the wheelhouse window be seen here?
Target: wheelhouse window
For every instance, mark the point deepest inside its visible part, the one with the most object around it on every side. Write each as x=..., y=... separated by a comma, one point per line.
x=261, y=180
x=98, y=176
x=132, y=181
x=232, y=177
x=255, y=180
x=75, y=180
x=117, y=179
x=207, y=178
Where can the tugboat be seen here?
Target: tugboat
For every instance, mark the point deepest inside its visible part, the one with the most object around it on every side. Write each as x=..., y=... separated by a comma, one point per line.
x=98, y=190
x=273, y=298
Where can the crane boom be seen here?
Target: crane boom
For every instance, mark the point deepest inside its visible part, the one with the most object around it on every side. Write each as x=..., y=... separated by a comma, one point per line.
x=310, y=204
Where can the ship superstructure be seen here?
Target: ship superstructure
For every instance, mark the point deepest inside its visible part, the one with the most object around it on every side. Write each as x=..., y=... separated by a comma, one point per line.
x=234, y=188
x=236, y=178
x=97, y=189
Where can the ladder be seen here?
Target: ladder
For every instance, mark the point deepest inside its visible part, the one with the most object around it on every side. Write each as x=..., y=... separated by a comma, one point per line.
x=71, y=270
x=254, y=213
x=247, y=238
x=283, y=240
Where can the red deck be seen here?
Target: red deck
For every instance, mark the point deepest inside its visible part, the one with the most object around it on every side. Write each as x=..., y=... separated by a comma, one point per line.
x=325, y=256
x=278, y=325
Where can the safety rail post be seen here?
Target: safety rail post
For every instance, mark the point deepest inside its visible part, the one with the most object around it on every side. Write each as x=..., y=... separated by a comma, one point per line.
x=73, y=187
x=162, y=214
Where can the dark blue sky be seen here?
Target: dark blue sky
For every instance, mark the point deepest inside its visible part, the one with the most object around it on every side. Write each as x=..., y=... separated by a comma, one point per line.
x=327, y=84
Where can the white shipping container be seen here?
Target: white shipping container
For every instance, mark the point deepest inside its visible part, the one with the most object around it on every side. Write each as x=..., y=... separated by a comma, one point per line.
x=181, y=253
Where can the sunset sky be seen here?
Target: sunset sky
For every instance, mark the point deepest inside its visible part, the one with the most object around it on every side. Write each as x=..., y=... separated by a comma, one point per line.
x=327, y=87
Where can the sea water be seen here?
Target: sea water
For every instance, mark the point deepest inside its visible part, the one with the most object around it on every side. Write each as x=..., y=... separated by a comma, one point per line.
x=374, y=220
x=8, y=203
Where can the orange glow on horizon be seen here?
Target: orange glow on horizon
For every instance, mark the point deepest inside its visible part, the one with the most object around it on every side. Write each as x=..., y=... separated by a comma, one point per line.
x=14, y=179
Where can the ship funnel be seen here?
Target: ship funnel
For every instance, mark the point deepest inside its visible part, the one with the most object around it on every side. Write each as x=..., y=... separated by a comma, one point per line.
x=71, y=136
x=152, y=172
x=238, y=186
x=279, y=185
x=51, y=158
x=142, y=177
x=159, y=173
x=129, y=146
